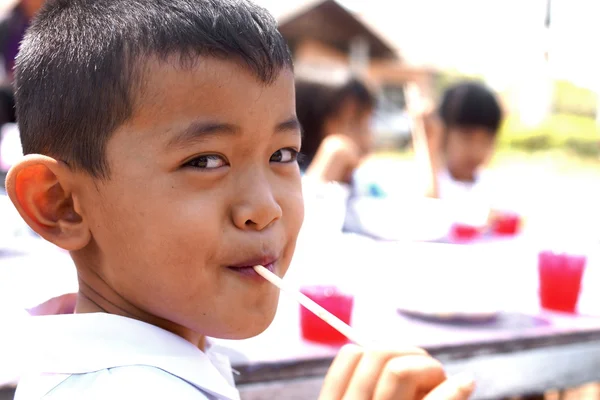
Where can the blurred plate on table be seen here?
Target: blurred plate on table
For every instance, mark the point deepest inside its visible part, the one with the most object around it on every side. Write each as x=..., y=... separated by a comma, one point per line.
x=480, y=316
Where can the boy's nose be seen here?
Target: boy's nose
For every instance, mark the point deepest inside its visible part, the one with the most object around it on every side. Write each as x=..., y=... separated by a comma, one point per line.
x=256, y=208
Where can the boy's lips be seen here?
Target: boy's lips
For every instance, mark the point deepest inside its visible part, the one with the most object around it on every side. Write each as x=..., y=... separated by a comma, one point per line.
x=246, y=268
x=264, y=261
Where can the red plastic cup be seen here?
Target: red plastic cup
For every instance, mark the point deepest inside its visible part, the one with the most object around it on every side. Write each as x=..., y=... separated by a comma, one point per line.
x=334, y=301
x=464, y=233
x=560, y=280
x=506, y=225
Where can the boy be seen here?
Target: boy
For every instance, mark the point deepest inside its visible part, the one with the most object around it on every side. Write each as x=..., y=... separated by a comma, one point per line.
x=161, y=141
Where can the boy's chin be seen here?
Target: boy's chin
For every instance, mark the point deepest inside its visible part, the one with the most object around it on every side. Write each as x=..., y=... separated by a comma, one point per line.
x=251, y=329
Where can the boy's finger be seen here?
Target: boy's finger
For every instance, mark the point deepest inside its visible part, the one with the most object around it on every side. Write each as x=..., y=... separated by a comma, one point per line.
x=340, y=372
x=455, y=388
x=370, y=368
x=403, y=378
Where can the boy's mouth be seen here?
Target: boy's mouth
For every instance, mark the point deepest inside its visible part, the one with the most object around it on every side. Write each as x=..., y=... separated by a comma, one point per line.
x=247, y=268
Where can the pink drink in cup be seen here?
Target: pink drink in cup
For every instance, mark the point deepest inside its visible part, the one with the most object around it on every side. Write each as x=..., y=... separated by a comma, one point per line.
x=560, y=280
x=460, y=233
x=334, y=301
x=506, y=225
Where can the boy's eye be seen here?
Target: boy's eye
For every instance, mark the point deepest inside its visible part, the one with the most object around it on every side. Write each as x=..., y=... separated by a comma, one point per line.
x=210, y=161
x=284, y=156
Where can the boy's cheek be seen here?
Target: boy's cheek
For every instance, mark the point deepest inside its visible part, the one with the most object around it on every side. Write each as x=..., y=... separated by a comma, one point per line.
x=298, y=216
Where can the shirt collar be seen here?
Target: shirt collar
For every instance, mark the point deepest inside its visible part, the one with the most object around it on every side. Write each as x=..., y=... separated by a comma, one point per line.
x=82, y=343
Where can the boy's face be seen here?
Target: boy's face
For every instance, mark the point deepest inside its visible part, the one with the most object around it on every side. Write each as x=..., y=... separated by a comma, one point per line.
x=203, y=178
x=467, y=149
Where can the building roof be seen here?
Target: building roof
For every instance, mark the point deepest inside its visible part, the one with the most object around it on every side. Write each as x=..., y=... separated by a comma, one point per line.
x=331, y=23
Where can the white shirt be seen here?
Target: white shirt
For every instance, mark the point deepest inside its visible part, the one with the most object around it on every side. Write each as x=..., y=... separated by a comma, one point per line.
x=451, y=189
x=105, y=356
x=471, y=201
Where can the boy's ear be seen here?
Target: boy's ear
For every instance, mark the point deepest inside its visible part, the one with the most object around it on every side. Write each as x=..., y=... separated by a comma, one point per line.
x=41, y=187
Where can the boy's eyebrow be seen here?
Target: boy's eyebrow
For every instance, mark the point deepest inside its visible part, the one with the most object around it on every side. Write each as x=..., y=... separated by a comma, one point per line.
x=291, y=125
x=198, y=129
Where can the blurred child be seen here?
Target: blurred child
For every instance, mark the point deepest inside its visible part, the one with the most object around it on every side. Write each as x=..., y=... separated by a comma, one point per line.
x=453, y=144
x=335, y=110
x=335, y=115
x=460, y=142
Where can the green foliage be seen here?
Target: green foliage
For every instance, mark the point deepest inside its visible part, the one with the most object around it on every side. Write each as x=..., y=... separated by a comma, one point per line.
x=569, y=98
x=580, y=135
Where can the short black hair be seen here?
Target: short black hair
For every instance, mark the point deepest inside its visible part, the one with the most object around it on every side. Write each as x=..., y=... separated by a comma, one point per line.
x=470, y=105
x=317, y=101
x=81, y=64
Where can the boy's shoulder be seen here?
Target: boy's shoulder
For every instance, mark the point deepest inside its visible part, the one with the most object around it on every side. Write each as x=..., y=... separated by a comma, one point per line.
x=127, y=382
x=108, y=356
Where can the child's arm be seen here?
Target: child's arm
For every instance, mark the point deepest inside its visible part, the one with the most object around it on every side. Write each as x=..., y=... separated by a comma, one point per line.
x=387, y=375
x=336, y=159
x=426, y=135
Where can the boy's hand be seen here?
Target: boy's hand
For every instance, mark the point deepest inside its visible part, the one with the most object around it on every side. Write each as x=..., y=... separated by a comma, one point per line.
x=359, y=374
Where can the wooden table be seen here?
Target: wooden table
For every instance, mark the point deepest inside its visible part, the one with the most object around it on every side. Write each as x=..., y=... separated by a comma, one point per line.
x=562, y=355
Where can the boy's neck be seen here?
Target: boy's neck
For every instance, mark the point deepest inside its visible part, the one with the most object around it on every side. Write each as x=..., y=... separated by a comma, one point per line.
x=98, y=299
